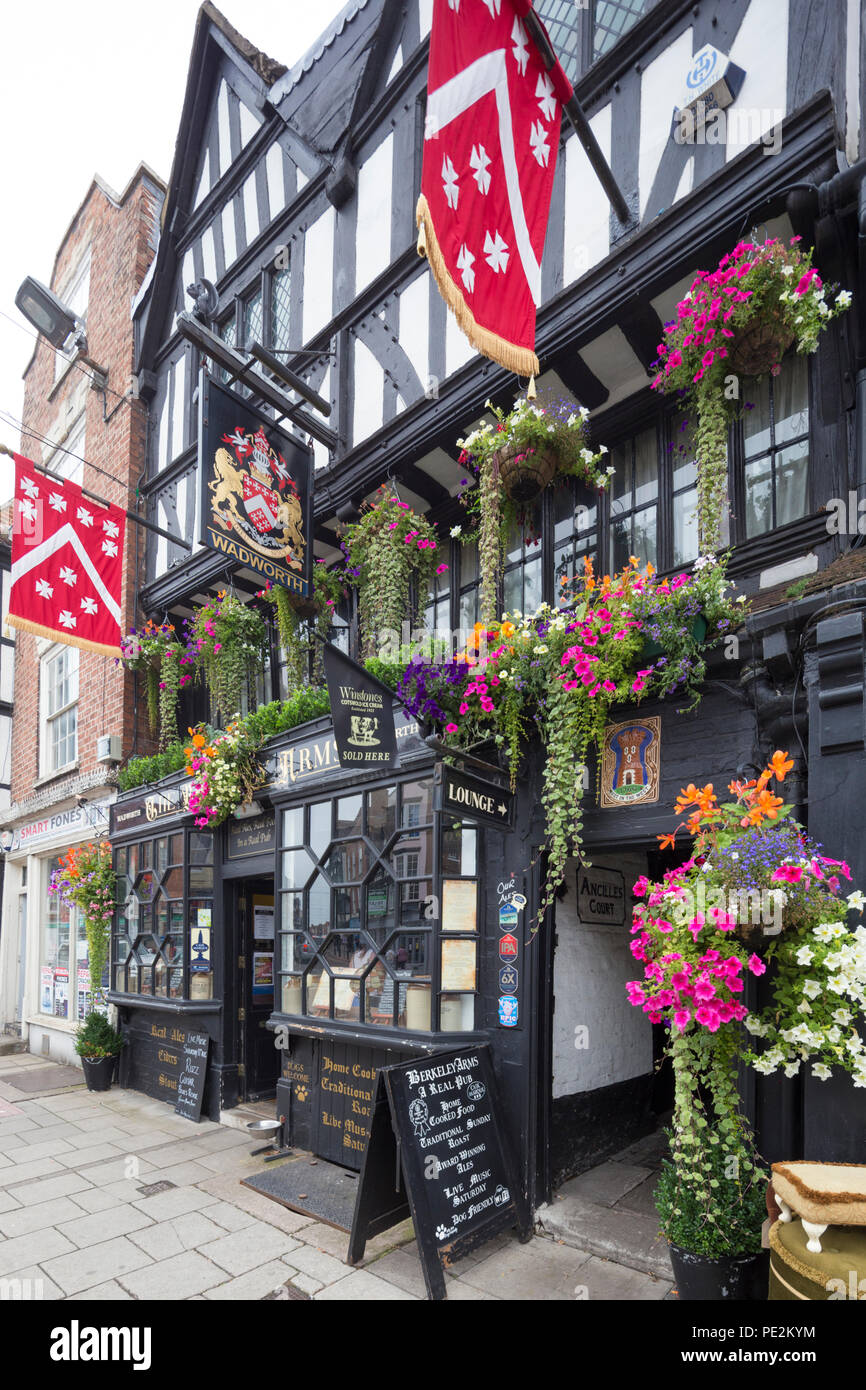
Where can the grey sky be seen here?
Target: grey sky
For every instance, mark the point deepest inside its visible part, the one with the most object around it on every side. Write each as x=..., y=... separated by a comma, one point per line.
x=94, y=88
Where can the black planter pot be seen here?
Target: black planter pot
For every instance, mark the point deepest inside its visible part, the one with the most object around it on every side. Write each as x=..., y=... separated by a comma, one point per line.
x=702, y=1278
x=98, y=1072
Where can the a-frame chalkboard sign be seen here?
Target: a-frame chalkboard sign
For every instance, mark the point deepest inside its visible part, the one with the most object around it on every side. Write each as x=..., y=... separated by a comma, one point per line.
x=437, y=1151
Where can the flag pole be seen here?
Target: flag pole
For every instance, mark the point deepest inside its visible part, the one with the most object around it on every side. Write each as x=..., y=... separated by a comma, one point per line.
x=576, y=114
x=94, y=497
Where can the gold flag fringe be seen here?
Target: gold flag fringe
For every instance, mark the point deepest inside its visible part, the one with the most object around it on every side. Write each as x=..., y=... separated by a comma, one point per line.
x=522, y=361
x=68, y=639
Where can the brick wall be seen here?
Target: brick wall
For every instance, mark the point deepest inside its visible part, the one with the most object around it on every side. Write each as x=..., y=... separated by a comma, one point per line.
x=121, y=234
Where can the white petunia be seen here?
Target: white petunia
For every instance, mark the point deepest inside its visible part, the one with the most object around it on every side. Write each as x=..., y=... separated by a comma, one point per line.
x=805, y=955
x=811, y=989
x=822, y=1072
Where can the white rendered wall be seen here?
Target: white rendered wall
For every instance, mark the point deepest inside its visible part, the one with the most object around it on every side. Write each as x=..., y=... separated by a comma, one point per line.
x=591, y=967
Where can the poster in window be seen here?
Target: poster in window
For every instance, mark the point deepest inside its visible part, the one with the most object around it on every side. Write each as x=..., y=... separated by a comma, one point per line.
x=263, y=922
x=85, y=999
x=47, y=990
x=61, y=992
x=458, y=965
x=263, y=972
x=630, y=762
x=459, y=905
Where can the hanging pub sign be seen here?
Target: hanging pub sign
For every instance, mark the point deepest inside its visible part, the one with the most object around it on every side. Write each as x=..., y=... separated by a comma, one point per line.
x=460, y=794
x=630, y=762
x=362, y=713
x=257, y=490
x=437, y=1150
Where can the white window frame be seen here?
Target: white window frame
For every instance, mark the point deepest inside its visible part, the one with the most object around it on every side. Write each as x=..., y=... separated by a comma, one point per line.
x=47, y=768
x=75, y=285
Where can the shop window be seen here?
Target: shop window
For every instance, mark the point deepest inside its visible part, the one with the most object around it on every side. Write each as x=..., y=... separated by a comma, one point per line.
x=358, y=915
x=58, y=682
x=161, y=942
x=775, y=432
x=634, y=500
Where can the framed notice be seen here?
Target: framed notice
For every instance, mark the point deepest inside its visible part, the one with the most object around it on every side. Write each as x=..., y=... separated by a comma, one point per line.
x=630, y=762
x=458, y=965
x=459, y=905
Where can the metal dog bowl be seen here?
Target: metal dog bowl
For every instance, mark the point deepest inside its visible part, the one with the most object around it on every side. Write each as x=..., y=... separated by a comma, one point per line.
x=264, y=1129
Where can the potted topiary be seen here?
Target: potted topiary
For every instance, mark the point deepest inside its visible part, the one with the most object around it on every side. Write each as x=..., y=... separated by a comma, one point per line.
x=98, y=1045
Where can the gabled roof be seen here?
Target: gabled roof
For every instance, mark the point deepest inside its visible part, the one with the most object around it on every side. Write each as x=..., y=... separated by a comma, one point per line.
x=314, y=53
x=268, y=69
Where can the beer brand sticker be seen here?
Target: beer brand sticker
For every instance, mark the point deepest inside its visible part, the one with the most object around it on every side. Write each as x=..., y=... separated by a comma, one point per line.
x=507, y=947
x=508, y=979
x=519, y=901
x=508, y=1012
x=507, y=916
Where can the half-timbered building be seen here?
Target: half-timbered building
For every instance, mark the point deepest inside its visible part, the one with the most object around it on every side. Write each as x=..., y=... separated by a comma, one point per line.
x=293, y=193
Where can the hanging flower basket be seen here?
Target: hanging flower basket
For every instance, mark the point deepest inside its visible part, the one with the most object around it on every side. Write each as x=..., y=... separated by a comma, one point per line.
x=759, y=346
x=525, y=473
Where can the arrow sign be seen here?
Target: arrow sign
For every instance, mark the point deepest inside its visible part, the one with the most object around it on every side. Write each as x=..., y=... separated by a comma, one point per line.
x=472, y=798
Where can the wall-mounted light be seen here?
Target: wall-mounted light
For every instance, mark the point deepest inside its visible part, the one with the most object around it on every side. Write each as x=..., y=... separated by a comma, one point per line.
x=41, y=307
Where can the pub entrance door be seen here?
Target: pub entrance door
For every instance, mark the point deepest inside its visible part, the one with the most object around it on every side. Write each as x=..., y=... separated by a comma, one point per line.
x=254, y=916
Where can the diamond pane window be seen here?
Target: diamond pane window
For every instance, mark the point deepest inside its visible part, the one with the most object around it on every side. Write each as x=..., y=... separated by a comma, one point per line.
x=349, y=862
x=280, y=308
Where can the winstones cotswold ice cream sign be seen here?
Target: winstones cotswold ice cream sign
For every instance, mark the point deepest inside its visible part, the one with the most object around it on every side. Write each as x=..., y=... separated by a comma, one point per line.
x=256, y=491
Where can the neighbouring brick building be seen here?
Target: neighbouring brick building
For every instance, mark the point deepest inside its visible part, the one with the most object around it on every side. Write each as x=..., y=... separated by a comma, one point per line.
x=67, y=698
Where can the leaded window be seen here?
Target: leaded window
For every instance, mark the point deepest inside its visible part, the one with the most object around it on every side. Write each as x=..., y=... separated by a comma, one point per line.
x=163, y=916
x=358, y=911
x=613, y=18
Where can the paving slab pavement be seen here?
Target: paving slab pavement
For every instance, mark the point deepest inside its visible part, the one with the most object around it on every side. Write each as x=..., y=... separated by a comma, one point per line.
x=110, y=1196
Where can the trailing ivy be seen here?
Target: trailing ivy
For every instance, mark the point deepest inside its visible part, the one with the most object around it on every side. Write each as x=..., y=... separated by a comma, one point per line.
x=229, y=642
x=391, y=558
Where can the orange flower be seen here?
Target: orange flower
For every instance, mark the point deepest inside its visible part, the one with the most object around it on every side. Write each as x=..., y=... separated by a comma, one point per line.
x=667, y=841
x=198, y=740
x=687, y=796
x=507, y=630
x=780, y=763
x=768, y=804
x=650, y=569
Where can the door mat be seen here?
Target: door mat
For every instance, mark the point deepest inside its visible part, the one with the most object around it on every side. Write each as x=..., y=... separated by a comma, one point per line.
x=313, y=1187
x=53, y=1078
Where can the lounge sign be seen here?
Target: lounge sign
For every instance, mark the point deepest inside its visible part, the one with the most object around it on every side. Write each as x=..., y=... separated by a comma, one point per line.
x=257, y=490
x=460, y=794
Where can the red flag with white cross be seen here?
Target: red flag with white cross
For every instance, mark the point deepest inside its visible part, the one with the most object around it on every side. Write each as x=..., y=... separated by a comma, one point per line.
x=490, y=142
x=67, y=562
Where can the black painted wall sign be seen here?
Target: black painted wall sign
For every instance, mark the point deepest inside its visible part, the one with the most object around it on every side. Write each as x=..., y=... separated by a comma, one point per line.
x=460, y=794
x=437, y=1150
x=255, y=836
x=191, y=1077
x=362, y=712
